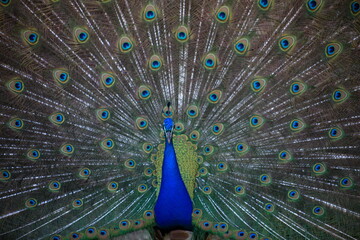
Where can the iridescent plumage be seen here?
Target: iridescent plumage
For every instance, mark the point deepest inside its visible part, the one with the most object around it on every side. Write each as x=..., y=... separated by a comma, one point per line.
x=260, y=141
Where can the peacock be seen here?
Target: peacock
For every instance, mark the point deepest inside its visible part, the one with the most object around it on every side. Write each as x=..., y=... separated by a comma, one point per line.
x=188, y=119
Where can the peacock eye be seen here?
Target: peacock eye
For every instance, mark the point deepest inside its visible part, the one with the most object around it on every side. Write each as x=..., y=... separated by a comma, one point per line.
x=182, y=34
x=258, y=85
x=155, y=63
x=265, y=179
x=293, y=195
x=223, y=14
x=214, y=96
x=112, y=186
x=264, y=4
x=67, y=149
x=15, y=85
x=30, y=37
x=355, y=8
x=81, y=35
x=4, y=175
x=150, y=13
x=210, y=61
x=318, y=211
x=313, y=5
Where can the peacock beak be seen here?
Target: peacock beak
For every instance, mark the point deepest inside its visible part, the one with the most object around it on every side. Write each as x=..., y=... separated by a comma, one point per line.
x=168, y=135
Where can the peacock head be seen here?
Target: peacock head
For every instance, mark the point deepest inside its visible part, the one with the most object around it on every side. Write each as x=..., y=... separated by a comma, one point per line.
x=168, y=128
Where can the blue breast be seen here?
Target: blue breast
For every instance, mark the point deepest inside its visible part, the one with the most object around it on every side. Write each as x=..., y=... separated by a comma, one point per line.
x=173, y=207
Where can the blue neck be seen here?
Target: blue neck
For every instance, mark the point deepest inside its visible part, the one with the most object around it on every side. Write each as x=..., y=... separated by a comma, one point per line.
x=173, y=207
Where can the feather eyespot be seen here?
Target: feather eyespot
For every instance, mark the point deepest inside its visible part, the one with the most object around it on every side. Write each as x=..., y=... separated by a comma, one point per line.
x=91, y=232
x=124, y=224
x=15, y=85
x=4, y=175
x=84, y=173
x=214, y=96
x=77, y=203
x=242, y=148
x=61, y=76
x=318, y=211
x=182, y=34
x=223, y=227
x=355, y=8
x=258, y=85
x=253, y=235
x=67, y=149
x=56, y=237
x=286, y=43
x=5, y=3
x=210, y=61
x=75, y=236
x=81, y=35
x=57, y=118
x=203, y=171
x=256, y=121
x=293, y=195
x=54, y=186
x=333, y=49
x=222, y=167
x=340, y=95
x=297, y=88
x=179, y=127
x=130, y=163
x=285, y=156
x=197, y=213
x=139, y=224
x=155, y=63
x=103, y=234
x=265, y=179
x=264, y=4
x=319, y=168
x=205, y=225
x=200, y=159
x=269, y=207
x=208, y=150
x=194, y=135
x=125, y=44
x=241, y=46
x=107, y=80
x=297, y=125
x=148, y=215
x=107, y=144
x=313, y=5
x=148, y=172
x=223, y=14
x=144, y=92
x=336, y=133
x=240, y=235
x=206, y=189
x=103, y=114
x=142, y=188
x=31, y=203
x=150, y=13
x=239, y=190
x=346, y=182
x=217, y=128
x=167, y=111
x=31, y=37
x=33, y=154
x=192, y=111
x=147, y=147
x=15, y=124
x=141, y=123
x=112, y=186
